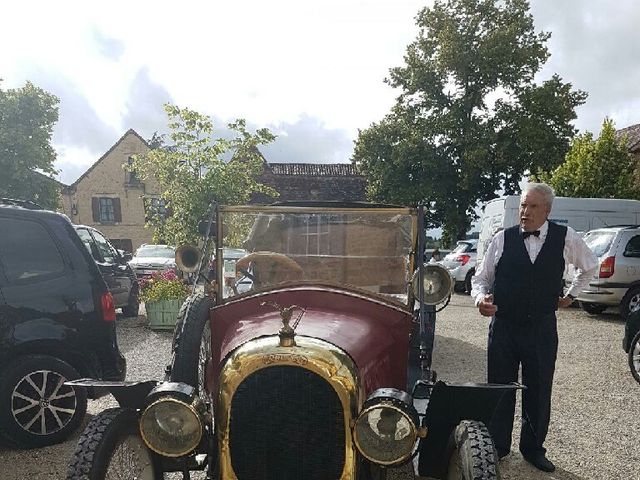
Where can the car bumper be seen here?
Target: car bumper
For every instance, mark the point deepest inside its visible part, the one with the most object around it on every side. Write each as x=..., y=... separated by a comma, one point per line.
x=602, y=294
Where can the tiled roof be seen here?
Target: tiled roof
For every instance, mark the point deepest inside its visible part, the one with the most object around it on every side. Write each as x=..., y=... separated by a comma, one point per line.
x=633, y=136
x=315, y=169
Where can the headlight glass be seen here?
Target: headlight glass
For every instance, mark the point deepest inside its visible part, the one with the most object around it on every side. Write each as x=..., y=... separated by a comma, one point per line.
x=171, y=428
x=385, y=434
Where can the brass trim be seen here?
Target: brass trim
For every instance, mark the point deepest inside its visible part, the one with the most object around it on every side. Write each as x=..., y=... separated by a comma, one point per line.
x=318, y=356
x=414, y=432
x=190, y=407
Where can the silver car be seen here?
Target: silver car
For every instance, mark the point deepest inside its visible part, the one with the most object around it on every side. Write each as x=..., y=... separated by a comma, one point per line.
x=461, y=263
x=150, y=259
x=617, y=281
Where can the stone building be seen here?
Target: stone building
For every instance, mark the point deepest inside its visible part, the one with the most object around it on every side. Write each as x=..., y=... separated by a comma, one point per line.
x=113, y=200
x=116, y=202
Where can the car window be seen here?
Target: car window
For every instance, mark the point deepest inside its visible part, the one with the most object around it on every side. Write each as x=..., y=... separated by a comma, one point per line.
x=461, y=248
x=88, y=241
x=633, y=247
x=106, y=250
x=27, y=251
x=599, y=242
x=155, y=251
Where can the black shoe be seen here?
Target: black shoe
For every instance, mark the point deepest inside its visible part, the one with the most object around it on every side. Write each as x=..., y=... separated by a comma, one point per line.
x=540, y=461
x=502, y=453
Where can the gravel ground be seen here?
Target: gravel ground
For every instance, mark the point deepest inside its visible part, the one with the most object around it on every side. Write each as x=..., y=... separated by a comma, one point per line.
x=594, y=428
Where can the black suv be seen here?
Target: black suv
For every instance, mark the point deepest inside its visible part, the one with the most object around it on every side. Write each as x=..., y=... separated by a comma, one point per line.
x=120, y=277
x=57, y=322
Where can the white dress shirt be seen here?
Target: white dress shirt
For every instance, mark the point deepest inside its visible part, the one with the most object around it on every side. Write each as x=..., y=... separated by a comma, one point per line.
x=576, y=253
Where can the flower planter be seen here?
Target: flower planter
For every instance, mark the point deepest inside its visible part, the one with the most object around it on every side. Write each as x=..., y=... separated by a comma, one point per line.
x=162, y=314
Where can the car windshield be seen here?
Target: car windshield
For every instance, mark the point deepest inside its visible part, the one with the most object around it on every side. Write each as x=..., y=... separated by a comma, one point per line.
x=155, y=251
x=365, y=248
x=599, y=242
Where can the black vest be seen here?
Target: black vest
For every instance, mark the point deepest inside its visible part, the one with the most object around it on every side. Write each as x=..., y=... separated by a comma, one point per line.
x=524, y=290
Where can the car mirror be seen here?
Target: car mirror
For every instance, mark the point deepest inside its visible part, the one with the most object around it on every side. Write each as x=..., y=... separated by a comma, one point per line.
x=126, y=257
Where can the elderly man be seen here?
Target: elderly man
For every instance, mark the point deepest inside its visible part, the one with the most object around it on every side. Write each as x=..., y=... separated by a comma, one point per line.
x=519, y=285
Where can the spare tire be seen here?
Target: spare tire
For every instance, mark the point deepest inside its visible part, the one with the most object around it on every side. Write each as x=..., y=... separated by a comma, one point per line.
x=192, y=342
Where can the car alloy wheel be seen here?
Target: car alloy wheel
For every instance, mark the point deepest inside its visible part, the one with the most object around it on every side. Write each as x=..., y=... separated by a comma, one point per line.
x=41, y=404
x=634, y=357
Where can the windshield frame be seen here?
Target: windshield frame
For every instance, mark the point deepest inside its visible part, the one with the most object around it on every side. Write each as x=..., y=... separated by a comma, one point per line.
x=266, y=209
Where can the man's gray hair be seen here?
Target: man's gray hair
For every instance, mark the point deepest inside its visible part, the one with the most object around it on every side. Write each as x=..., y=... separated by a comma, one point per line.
x=543, y=189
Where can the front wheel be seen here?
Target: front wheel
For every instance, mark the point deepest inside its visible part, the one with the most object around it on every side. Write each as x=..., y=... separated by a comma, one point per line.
x=630, y=302
x=111, y=448
x=634, y=357
x=474, y=455
x=192, y=342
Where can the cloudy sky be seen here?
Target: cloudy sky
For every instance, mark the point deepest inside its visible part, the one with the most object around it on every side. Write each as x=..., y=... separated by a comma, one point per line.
x=312, y=72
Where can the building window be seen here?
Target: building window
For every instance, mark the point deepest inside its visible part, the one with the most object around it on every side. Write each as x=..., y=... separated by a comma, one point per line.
x=132, y=176
x=312, y=235
x=106, y=209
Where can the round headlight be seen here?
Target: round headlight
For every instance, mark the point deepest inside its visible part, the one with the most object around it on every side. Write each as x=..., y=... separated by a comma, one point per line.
x=437, y=283
x=385, y=434
x=171, y=427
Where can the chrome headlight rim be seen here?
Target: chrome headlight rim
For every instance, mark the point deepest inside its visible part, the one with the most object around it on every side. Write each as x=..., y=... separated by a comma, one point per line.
x=402, y=403
x=182, y=404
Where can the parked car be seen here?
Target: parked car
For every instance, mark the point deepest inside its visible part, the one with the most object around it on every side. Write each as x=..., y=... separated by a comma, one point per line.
x=120, y=277
x=56, y=324
x=461, y=263
x=631, y=342
x=307, y=374
x=617, y=282
x=149, y=259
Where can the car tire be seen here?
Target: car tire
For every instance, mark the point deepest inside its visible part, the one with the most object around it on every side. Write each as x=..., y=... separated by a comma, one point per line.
x=473, y=456
x=111, y=443
x=133, y=306
x=593, y=308
x=36, y=408
x=630, y=301
x=192, y=342
x=467, y=280
x=634, y=357
x=458, y=287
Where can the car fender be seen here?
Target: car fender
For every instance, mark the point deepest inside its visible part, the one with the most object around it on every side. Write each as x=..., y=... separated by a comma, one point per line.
x=128, y=394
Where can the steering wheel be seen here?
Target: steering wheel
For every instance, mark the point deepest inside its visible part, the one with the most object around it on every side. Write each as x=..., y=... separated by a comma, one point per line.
x=269, y=268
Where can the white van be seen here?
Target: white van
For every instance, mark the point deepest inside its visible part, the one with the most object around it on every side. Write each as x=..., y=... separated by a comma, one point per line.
x=581, y=214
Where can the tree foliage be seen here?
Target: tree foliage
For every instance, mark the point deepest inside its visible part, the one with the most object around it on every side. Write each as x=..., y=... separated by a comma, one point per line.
x=27, y=117
x=470, y=119
x=192, y=171
x=599, y=168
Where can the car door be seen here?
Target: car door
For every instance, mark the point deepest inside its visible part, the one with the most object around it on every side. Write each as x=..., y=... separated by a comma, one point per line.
x=118, y=269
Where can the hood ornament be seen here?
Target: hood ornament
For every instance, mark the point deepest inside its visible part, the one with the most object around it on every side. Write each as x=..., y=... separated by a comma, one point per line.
x=287, y=332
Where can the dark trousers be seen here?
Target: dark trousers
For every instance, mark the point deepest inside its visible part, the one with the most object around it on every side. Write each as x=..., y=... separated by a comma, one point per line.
x=534, y=345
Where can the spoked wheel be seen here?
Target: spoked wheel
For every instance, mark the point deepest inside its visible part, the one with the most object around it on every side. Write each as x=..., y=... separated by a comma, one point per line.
x=192, y=343
x=110, y=448
x=634, y=357
x=36, y=408
x=474, y=455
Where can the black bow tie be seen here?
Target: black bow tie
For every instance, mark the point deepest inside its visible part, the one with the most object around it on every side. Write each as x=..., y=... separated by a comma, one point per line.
x=525, y=235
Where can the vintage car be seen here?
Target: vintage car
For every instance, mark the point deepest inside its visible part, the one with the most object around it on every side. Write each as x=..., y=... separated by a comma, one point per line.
x=322, y=370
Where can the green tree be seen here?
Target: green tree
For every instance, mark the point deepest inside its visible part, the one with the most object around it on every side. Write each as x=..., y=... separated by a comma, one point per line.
x=469, y=119
x=191, y=171
x=27, y=116
x=600, y=168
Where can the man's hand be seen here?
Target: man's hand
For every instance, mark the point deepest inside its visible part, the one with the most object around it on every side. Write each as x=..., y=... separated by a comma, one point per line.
x=486, y=306
x=564, y=302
